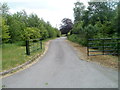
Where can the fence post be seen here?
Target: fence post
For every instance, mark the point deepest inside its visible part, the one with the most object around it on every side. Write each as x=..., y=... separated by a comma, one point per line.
x=118, y=52
x=27, y=47
x=40, y=43
x=87, y=46
x=103, y=46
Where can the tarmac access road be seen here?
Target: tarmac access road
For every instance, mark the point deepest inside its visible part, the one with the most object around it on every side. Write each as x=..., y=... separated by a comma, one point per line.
x=60, y=67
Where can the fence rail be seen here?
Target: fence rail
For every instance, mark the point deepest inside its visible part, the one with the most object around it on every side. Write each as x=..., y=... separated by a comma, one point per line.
x=33, y=45
x=105, y=46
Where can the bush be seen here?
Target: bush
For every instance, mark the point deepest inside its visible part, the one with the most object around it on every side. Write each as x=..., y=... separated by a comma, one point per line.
x=58, y=33
x=76, y=38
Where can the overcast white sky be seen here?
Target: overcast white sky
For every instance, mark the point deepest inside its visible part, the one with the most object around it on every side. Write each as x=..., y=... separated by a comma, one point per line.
x=50, y=10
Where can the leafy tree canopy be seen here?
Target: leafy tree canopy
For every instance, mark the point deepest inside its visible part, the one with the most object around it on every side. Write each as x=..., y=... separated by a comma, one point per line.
x=66, y=25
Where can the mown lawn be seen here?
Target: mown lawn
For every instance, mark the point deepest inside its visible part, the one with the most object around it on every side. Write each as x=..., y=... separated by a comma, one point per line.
x=15, y=54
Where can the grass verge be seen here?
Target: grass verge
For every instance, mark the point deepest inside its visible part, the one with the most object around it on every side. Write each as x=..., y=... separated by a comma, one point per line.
x=0, y=65
x=15, y=54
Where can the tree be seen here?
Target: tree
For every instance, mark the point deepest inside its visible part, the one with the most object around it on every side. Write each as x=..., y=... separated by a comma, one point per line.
x=20, y=26
x=22, y=17
x=99, y=20
x=66, y=26
x=4, y=9
x=78, y=11
x=58, y=32
x=117, y=20
x=43, y=31
x=5, y=32
x=33, y=20
x=16, y=29
x=31, y=33
x=100, y=11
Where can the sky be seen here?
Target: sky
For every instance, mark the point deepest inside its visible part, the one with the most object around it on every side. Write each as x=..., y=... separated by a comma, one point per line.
x=50, y=10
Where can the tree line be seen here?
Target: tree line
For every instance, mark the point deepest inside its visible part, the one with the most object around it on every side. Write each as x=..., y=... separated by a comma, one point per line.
x=20, y=26
x=99, y=20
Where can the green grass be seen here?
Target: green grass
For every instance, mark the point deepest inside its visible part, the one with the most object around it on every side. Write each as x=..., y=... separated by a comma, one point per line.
x=14, y=55
x=0, y=57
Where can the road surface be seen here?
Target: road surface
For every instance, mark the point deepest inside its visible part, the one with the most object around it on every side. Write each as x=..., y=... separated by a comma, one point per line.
x=62, y=68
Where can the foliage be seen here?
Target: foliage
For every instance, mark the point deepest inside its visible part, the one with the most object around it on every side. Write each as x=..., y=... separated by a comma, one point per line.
x=4, y=9
x=5, y=33
x=58, y=33
x=78, y=11
x=43, y=32
x=66, y=26
x=33, y=20
x=20, y=26
x=99, y=20
x=31, y=33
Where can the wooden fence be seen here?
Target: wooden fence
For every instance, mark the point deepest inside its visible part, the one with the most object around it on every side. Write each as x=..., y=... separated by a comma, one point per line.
x=103, y=46
x=33, y=45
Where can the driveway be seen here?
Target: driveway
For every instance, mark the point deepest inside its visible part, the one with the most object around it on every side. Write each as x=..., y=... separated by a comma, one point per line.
x=60, y=67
